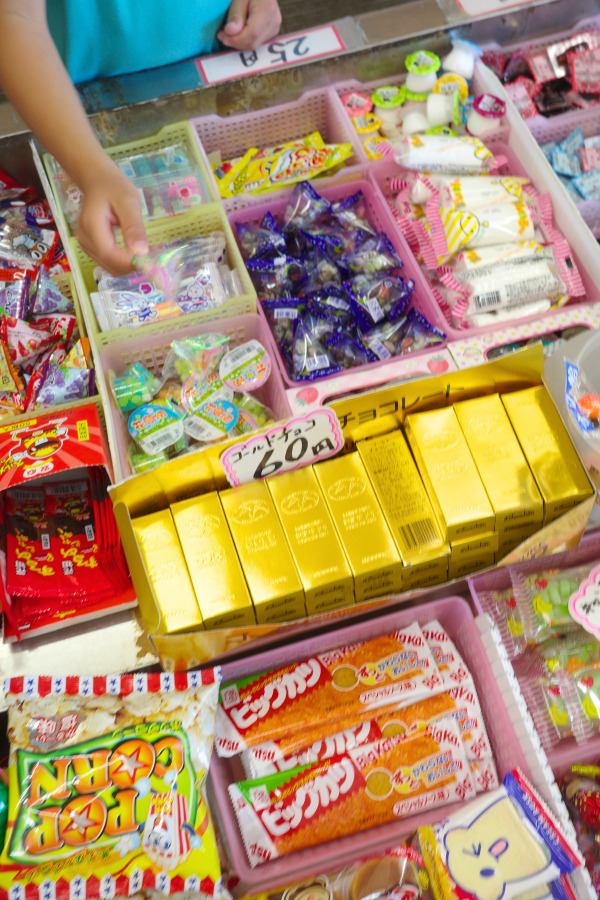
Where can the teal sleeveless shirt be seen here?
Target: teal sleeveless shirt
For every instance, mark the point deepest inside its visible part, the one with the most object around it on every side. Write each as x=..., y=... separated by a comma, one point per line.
x=96, y=38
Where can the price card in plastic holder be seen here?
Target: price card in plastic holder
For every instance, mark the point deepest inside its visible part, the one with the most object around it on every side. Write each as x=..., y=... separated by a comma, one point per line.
x=286, y=50
x=289, y=445
x=487, y=7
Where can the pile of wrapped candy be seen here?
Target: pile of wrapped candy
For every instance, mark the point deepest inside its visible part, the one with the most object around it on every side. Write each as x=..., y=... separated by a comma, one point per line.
x=374, y=719
x=173, y=280
x=556, y=661
x=62, y=548
x=259, y=171
x=487, y=240
x=552, y=79
x=43, y=360
x=204, y=393
x=576, y=161
x=330, y=286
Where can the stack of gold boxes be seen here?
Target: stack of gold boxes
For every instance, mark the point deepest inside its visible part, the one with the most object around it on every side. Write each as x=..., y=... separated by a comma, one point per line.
x=454, y=493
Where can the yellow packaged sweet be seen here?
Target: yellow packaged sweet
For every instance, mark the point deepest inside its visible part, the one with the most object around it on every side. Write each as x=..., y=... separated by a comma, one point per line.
x=106, y=779
x=259, y=171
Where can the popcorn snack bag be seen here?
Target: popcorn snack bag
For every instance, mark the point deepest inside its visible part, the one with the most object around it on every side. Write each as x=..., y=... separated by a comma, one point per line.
x=105, y=786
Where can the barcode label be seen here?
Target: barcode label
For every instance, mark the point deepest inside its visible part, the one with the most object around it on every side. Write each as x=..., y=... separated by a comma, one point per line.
x=422, y=533
x=89, y=532
x=71, y=487
x=379, y=349
x=240, y=354
x=492, y=298
x=159, y=442
x=45, y=542
x=286, y=313
x=375, y=309
x=26, y=495
x=317, y=362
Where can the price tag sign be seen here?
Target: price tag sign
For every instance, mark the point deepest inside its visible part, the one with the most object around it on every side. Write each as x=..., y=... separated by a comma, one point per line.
x=299, y=442
x=287, y=50
x=584, y=605
x=486, y=7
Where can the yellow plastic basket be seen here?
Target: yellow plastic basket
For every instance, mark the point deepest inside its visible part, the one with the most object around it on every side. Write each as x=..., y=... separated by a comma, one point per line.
x=201, y=221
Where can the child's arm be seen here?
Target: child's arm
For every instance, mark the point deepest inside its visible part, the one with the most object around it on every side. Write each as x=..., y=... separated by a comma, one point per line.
x=250, y=23
x=35, y=81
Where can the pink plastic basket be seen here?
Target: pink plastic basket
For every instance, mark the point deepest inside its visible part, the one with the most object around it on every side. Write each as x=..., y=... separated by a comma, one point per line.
x=381, y=218
x=568, y=751
x=382, y=172
x=455, y=615
x=232, y=136
x=151, y=351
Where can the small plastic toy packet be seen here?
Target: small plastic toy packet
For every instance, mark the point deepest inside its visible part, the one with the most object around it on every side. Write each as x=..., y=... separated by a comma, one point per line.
x=351, y=792
x=134, y=752
x=347, y=680
x=460, y=155
x=501, y=845
x=245, y=368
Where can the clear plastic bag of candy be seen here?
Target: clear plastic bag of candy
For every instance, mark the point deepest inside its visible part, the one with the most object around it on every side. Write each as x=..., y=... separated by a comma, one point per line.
x=310, y=358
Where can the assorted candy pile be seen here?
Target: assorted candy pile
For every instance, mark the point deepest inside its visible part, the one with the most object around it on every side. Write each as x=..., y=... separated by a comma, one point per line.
x=259, y=171
x=576, y=162
x=556, y=661
x=203, y=394
x=62, y=548
x=434, y=99
x=488, y=241
x=330, y=286
x=43, y=360
x=168, y=181
x=172, y=280
x=373, y=718
x=552, y=79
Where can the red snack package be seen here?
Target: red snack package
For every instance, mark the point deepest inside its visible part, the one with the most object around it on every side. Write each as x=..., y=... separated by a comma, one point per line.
x=31, y=566
x=69, y=505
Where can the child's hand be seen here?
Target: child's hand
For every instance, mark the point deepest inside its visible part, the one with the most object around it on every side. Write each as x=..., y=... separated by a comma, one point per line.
x=250, y=23
x=110, y=200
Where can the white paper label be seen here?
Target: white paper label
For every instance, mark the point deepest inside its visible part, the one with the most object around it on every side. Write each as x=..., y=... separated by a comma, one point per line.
x=289, y=445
